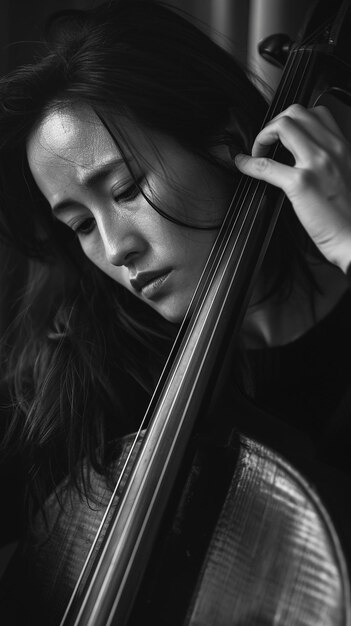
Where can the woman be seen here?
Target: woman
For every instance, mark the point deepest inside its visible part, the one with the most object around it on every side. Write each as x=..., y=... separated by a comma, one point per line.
x=120, y=149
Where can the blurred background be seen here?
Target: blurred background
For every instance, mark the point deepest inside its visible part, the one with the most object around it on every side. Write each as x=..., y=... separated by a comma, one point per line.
x=238, y=25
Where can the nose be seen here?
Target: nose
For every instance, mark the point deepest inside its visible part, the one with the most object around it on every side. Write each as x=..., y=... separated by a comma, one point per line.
x=122, y=241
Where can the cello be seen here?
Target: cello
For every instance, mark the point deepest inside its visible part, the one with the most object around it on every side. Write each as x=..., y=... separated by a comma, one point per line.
x=235, y=571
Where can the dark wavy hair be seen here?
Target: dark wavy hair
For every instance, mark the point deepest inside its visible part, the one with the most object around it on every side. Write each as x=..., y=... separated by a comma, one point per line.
x=82, y=355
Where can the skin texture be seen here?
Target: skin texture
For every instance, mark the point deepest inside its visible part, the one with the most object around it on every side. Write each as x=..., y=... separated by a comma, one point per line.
x=118, y=229
x=124, y=236
x=319, y=184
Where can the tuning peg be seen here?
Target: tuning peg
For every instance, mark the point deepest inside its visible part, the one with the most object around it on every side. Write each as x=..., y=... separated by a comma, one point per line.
x=275, y=49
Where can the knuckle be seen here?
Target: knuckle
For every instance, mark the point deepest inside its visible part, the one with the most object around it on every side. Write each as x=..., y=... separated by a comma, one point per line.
x=320, y=108
x=341, y=150
x=329, y=160
x=295, y=109
x=285, y=124
x=261, y=164
x=322, y=159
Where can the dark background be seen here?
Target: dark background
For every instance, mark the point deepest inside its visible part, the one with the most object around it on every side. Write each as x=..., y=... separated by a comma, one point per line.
x=244, y=22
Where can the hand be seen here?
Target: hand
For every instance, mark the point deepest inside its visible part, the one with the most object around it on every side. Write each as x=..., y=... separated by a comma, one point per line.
x=319, y=183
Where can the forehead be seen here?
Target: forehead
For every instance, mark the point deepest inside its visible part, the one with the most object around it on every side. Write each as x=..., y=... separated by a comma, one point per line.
x=73, y=140
x=74, y=135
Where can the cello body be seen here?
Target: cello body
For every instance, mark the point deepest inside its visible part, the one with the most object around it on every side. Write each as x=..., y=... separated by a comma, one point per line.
x=247, y=543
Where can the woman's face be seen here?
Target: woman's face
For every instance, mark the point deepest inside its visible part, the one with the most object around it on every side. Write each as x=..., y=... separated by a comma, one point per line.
x=80, y=171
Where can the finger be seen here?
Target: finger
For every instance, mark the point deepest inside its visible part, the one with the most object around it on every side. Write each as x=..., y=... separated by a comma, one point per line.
x=312, y=117
x=317, y=123
x=320, y=123
x=268, y=170
x=293, y=135
x=328, y=120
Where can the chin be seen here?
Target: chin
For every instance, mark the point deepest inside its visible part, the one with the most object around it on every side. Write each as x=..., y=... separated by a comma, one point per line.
x=172, y=317
x=174, y=314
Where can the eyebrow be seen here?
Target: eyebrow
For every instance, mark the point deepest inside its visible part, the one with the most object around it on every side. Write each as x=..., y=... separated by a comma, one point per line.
x=92, y=180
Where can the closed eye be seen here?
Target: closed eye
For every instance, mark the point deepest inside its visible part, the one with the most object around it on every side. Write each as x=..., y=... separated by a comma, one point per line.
x=85, y=227
x=130, y=193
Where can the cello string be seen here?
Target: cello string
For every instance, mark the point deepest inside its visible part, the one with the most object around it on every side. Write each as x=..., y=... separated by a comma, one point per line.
x=112, y=502
x=255, y=201
x=255, y=195
x=278, y=106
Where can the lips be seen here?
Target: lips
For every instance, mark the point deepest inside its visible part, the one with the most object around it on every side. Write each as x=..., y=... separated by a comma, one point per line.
x=142, y=279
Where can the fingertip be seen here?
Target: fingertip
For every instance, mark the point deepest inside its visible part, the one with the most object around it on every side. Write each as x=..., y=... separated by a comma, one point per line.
x=240, y=159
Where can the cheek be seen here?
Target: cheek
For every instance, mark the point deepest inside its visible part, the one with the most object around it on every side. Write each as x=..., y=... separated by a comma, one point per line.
x=93, y=249
x=194, y=246
x=96, y=254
